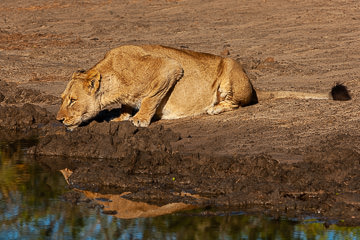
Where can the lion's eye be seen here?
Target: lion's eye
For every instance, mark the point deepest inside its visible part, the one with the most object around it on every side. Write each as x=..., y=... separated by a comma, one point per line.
x=72, y=101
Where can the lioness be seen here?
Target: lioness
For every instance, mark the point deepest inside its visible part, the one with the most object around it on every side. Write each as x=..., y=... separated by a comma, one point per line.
x=160, y=80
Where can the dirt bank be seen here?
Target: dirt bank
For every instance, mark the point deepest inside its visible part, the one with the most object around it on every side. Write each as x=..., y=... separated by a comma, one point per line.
x=142, y=161
x=287, y=156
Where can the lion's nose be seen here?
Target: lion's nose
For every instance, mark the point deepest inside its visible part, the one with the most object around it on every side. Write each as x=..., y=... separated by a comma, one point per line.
x=60, y=118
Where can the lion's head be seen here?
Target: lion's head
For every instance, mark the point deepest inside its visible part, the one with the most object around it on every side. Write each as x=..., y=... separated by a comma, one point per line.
x=79, y=100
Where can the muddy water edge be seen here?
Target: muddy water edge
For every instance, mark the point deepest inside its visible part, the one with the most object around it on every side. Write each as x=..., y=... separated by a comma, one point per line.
x=36, y=202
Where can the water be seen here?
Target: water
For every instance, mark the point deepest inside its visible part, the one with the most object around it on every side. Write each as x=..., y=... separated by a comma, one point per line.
x=31, y=207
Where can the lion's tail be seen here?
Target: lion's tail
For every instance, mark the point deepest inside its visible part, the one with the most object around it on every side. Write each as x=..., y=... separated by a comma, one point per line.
x=339, y=93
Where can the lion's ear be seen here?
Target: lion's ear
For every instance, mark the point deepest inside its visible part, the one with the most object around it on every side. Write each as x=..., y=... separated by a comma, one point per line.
x=92, y=82
x=78, y=74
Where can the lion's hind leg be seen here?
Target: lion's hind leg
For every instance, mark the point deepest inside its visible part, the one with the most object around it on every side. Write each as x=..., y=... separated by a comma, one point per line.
x=234, y=88
x=224, y=94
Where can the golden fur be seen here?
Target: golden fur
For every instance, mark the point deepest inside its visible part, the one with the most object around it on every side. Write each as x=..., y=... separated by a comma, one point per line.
x=160, y=80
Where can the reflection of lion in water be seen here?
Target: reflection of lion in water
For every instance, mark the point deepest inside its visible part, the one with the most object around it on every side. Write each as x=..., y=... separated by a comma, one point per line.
x=159, y=80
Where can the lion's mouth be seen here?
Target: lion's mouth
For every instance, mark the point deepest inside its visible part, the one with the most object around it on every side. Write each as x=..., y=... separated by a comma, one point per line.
x=71, y=127
x=85, y=119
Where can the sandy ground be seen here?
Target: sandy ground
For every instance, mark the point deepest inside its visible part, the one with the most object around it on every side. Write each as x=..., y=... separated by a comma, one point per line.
x=299, y=154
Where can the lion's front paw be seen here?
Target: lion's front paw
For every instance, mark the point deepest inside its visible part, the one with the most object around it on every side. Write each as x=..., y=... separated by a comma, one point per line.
x=122, y=117
x=139, y=122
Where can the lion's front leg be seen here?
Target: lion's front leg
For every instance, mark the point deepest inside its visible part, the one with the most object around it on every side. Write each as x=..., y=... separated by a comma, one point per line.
x=147, y=110
x=167, y=76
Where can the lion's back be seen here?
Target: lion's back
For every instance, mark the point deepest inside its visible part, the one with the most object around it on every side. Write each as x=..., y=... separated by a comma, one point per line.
x=192, y=94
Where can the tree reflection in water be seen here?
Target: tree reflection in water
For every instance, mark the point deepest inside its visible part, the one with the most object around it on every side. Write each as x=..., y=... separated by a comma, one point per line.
x=31, y=207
